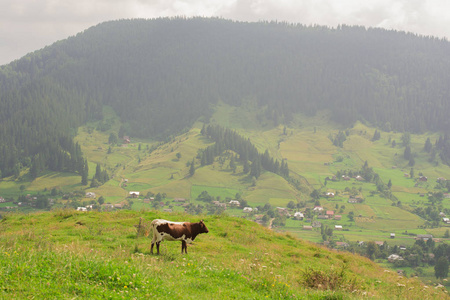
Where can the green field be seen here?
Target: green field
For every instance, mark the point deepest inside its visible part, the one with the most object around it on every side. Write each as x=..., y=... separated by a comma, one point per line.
x=67, y=254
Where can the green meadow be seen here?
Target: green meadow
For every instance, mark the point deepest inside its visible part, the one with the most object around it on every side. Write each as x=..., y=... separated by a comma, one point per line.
x=96, y=255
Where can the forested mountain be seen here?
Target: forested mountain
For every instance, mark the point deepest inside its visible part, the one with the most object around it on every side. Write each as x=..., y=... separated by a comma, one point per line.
x=161, y=75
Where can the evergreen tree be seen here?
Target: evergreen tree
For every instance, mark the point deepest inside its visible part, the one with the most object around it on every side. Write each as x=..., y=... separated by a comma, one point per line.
x=85, y=173
x=246, y=167
x=428, y=146
x=376, y=136
x=256, y=168
x=192, y=168
x=441, y=268
x=113, y=138
x=407, y=152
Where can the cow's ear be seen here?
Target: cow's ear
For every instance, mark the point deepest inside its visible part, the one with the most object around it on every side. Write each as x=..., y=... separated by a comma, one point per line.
x=201, y=221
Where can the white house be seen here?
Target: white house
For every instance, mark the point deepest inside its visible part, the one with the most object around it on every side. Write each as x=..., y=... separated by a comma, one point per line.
x=248, y=209
x=81, y=208
x=298, y=216
x=318, y=208
x=394, y=257
x=338, y=227
x=234, y=203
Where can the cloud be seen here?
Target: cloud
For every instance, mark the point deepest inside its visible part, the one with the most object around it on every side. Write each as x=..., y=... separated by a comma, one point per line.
x=28, y=25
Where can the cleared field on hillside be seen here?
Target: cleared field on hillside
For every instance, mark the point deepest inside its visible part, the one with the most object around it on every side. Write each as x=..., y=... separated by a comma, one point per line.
x=213, y=191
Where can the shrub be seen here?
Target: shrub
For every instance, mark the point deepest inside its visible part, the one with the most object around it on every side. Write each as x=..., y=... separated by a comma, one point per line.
x=330, y=280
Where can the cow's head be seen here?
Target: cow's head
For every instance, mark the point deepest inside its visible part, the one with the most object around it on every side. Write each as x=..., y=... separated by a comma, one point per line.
x=203, y=228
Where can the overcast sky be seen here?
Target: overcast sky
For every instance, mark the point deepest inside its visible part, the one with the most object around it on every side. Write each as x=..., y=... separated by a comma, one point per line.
x=29, y=25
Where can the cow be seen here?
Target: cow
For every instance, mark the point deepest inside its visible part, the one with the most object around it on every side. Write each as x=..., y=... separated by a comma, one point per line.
x=185, y=232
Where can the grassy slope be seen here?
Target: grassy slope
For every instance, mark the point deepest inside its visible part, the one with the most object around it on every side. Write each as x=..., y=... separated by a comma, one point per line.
x=67, y=254
x=306, y=147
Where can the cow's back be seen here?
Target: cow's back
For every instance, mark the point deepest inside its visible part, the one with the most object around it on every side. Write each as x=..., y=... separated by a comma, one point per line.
x=157, y=234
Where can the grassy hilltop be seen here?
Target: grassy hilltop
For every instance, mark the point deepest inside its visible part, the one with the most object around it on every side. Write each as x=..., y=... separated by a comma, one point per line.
x=67, y=254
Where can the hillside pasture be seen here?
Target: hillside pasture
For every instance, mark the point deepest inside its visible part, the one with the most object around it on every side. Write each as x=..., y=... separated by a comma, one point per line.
x=224, y=193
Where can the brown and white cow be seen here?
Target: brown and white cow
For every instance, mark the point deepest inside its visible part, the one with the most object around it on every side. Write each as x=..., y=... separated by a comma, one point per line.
x=185, y=232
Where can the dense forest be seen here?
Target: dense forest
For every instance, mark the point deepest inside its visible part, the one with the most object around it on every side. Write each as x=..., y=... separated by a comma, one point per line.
x=161, y=75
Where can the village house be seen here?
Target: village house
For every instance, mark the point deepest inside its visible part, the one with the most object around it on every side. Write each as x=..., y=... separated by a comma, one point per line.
x=392, y=236
x=337, y=217
x=342, y=244
x=126, y=139
x=330, y=195
x=81, y=208
x=134, y=194
x=359, y=178
x=330, y=214
x=352, y=200
x=318, y=208
x=446, y=195
x=307, y=227
x=90, y=195
x=217, y=203
x=446, y=220
x=283, y=211
x=379, y=243
x=322, y=217
x=298, y=215
x=234, y=203
x=2, y=200
x=394, y=257
x=424, y=237
x=337, y=227
x=423, y=178
x=179, y=199
x=107, y=206
x=247, y=209
x=345, y=177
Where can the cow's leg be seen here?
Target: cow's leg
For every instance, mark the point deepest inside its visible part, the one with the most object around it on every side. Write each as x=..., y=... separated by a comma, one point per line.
x=151, y=248
x=157, y=247
x=183, y=246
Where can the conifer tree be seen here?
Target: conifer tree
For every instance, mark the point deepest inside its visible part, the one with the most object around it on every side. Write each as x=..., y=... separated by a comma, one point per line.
x=192, y=168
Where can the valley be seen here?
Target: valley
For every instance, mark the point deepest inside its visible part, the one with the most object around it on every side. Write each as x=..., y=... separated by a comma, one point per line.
x=159, y=171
